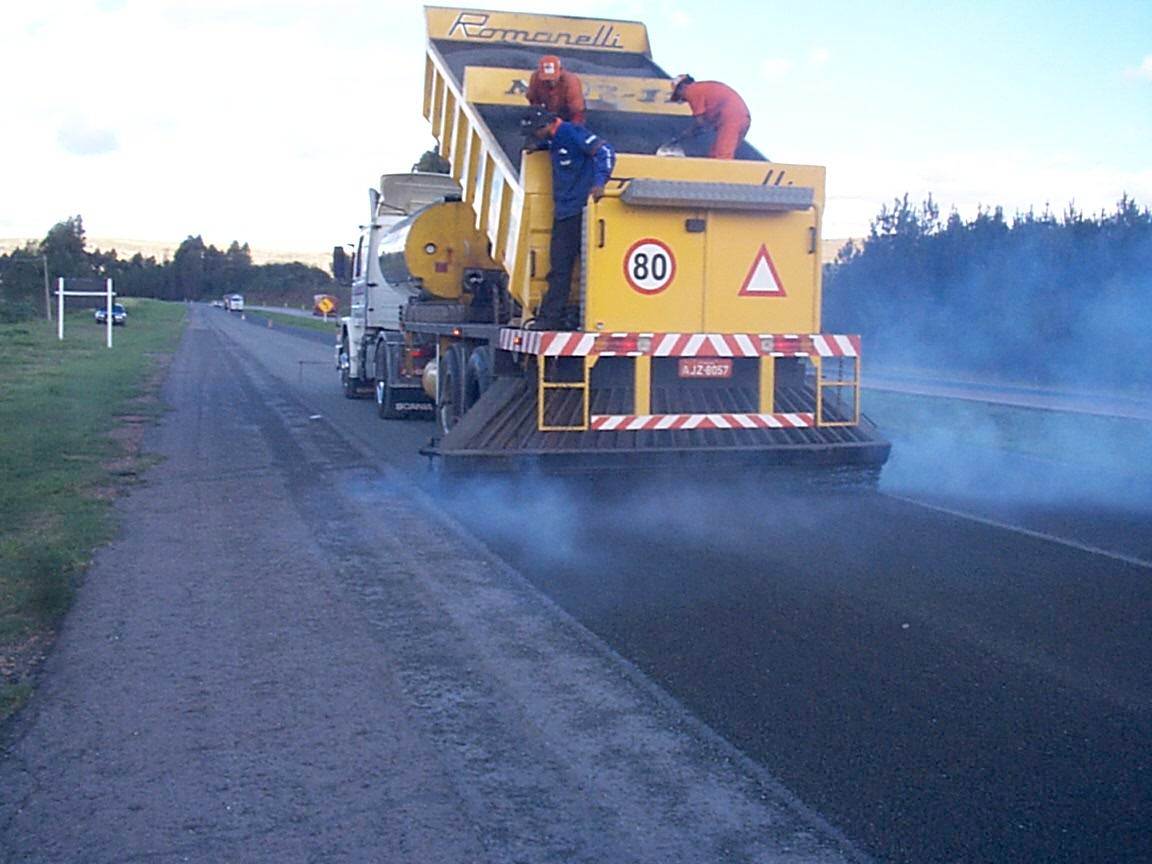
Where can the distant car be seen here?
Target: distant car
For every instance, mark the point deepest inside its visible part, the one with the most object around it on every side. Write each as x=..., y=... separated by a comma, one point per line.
x=119, y=316
x=219, y=304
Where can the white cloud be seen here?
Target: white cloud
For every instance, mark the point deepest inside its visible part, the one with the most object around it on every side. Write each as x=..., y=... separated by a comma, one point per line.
x=968, y=181
x=775, y=68
x=80, y=137
x=1143, y=72
x=239, y=120
x=267, y=120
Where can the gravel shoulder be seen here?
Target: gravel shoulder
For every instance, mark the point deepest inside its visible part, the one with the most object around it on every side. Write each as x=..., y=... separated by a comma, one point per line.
x=289, y=655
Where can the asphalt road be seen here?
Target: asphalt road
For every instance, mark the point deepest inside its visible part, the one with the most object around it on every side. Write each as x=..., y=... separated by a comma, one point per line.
x=939, y=686
x=290, y=655
x=944, y=690
x=957, y=670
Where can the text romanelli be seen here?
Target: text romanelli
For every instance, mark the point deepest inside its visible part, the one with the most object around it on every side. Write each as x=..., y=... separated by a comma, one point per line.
x=474, y=26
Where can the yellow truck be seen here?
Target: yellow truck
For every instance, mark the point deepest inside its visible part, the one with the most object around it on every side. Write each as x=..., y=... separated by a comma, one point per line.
x=698, y=341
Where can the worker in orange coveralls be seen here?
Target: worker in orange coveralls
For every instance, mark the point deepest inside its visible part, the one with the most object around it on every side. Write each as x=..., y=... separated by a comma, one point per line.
x=555, y=89
x=717, y=106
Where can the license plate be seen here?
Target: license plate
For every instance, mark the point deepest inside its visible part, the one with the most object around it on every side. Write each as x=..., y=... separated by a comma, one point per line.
x=705, y=367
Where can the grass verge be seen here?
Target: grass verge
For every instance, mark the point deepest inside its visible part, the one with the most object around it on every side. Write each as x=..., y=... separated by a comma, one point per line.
x=332, y=325
x=71, y=419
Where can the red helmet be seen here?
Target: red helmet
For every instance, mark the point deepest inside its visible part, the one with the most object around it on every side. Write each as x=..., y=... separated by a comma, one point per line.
x=548, y=69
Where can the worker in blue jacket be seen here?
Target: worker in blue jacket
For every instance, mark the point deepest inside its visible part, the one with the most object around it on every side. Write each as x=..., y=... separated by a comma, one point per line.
x=582, y=162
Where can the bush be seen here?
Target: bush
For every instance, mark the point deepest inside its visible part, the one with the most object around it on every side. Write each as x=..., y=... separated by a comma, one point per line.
x=14, y=311
x=1054, y=301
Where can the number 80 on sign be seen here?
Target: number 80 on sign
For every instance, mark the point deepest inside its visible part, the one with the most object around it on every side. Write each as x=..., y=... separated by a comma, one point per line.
x=649, y=266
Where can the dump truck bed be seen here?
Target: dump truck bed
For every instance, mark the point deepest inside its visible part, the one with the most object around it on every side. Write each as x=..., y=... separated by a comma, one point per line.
x=628, y=132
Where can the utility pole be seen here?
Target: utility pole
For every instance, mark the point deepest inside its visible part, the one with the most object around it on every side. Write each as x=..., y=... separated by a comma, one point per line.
x=47, y=291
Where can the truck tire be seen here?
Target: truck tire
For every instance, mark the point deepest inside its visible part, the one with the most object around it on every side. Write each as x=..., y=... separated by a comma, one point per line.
x=348, y=385
x=385, y=393
x=477, y=375
x=351, y=386
x=449, y=400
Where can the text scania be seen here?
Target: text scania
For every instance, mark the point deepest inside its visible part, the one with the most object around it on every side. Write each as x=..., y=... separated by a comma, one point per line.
x=473, y=25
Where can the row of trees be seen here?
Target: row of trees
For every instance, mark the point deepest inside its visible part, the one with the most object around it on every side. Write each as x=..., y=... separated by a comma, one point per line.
x=1056, y=300
x=196, y=272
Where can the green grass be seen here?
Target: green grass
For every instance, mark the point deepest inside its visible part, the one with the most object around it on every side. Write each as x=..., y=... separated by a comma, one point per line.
x=67, y=447
x=13, y=696
x=332, y=325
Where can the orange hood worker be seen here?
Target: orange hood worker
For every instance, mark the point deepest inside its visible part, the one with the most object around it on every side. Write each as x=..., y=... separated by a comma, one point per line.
x=715, y=106
x=555, y=89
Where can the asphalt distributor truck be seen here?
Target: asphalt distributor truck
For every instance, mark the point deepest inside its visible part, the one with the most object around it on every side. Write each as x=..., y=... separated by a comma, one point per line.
x=698, y=342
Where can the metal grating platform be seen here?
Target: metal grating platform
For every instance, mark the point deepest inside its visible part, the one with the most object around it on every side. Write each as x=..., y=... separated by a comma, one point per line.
x=499, y=434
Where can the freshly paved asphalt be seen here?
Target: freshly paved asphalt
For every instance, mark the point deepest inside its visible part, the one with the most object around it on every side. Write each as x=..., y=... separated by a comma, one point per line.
x=969, y=680
x=939, y=688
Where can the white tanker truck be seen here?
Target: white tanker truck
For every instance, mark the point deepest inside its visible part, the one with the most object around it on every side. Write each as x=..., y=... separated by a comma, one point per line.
x=420, y=245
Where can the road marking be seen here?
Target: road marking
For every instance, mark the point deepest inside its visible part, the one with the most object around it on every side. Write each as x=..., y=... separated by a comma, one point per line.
x=1040, y=535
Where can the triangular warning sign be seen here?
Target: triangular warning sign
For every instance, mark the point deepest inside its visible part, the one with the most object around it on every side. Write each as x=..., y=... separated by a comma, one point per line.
x=762, y=279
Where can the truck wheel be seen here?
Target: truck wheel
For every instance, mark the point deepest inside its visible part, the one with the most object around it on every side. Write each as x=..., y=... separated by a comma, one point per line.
x=385, y=394
x=350, y=385
x=477, y=375
x=451, y=378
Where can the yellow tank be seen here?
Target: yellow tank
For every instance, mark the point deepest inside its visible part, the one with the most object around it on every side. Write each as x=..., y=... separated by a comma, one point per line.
x=428, y=252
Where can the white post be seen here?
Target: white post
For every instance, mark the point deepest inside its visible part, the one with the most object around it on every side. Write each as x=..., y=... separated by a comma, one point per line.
x=60, y=308
x=107, y=294
x=109, y=286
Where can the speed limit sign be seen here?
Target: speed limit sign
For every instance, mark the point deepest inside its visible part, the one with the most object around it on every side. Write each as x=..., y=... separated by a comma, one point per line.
x=649, y=266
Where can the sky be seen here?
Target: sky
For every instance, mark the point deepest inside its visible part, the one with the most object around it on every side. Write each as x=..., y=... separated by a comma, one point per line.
x=266, y=121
